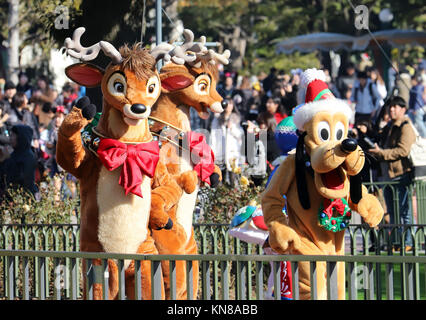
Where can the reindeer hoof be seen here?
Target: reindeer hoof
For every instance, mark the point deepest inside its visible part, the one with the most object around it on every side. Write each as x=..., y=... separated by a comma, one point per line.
x=88, y=110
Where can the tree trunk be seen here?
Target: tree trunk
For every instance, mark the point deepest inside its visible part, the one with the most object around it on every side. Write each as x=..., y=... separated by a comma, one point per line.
x=237, y=43
x=13, y=50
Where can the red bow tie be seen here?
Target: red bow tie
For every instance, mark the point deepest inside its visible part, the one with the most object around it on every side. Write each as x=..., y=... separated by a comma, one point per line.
x=202, y=155
x=137, y=160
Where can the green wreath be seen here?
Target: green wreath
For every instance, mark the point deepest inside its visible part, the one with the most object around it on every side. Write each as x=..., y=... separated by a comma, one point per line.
x=334, y=215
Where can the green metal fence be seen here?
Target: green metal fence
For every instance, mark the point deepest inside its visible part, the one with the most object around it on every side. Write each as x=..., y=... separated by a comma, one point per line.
x=212, y=238
x=42, y=261
x=416, y=194
x=240, y=277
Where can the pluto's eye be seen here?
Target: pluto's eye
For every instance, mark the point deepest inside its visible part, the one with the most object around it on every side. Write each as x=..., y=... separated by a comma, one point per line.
x=339, y=130
x=324, y=131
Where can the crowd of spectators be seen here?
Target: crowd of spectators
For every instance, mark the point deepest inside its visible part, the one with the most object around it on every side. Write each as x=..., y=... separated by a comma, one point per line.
x=258, y=104
x=261, y=102
x=30, y=115
x=32, y=111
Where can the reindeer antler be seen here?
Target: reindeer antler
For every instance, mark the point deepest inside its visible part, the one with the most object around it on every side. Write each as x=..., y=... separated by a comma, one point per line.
x=162, y=51
x=76, y=50
x=185, y=52
x=189, y=52
x=211, y=57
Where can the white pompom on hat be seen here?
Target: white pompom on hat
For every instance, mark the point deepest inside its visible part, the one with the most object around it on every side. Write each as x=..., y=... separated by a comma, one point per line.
x=318, y=98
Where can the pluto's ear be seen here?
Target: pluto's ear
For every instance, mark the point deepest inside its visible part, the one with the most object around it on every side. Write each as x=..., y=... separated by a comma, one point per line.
x=355, y=188
x=302, y=187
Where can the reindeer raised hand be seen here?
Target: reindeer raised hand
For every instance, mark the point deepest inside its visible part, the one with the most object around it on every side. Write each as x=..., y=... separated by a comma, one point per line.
x=188, y=80
x=120, y=174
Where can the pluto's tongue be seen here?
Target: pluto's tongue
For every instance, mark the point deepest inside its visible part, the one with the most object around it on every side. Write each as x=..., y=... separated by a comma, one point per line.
x=332, y=180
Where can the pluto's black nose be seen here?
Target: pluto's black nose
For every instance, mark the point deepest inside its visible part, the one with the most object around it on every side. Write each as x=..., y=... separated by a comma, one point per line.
x=138, y=108
x=349, y=145
x=224, y=103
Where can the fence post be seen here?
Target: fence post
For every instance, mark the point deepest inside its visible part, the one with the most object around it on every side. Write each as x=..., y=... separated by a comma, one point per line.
x=295, y=278
x=26, y=282
x=89, y=273
x=172, y=276
x=276, y=269
x=105, y=279
x=331, y=280
x=225, y=280
x=156, y=280
x=189, y=280
x=138, y=280
x=314, y=280
x=74, y=282
x=205, y=280
x=11, y=277
x=259, y=280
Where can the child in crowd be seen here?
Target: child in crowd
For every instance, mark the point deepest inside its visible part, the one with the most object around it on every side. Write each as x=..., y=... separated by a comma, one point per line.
x=274, y=107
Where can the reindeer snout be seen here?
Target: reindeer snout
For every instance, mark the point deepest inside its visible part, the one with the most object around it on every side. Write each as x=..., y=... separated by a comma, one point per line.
x=349, y=145
x=138, y=108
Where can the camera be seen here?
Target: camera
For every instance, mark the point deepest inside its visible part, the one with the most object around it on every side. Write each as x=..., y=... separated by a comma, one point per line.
x=369, y=142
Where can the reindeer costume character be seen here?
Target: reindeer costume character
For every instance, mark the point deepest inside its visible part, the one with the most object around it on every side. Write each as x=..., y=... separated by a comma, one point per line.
x=188, y=80
x=120, y=173
x=321, y=186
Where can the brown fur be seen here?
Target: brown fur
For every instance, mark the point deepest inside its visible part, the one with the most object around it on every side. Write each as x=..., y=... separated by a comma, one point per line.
x=86, y=166
x=301, y=233
x=173, y=107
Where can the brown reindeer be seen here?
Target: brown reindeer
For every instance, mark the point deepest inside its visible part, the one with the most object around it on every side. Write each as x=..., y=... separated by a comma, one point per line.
x=120, y=175
x=188, y=80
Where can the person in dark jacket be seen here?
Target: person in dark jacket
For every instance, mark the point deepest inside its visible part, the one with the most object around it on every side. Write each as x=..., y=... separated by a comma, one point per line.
x=20, y=114
x=266, y=121
x=19, y=169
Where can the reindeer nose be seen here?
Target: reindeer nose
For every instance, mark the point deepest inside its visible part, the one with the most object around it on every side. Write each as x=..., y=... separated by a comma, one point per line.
x=138, y=108
x=349, y=145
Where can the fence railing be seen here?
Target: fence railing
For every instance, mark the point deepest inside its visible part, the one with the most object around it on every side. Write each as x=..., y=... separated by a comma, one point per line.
x=55, y=275
x=215, y=238
x=416, y=198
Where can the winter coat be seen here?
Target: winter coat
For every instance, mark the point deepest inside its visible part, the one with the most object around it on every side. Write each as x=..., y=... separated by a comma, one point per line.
x=396, y=142
x=19, y=168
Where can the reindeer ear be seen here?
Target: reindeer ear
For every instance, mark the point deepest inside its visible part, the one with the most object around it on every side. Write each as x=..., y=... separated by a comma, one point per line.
x=175, y=82
x=85, y=74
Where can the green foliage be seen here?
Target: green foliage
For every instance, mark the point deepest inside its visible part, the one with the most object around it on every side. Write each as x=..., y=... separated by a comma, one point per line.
x=265, y=22
x=285, y=62
x=20, y=206
x=221, y=204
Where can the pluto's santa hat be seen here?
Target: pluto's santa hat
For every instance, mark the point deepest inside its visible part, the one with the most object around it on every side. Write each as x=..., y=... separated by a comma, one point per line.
x=318, y=98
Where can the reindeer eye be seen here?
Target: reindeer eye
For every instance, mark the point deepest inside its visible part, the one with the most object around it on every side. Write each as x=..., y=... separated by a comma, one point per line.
x=119, y=87
x=153, y=87
x=117, y=84
x=202, y=84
